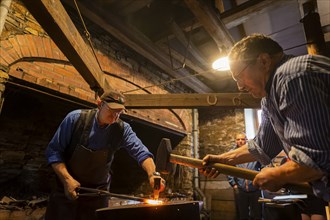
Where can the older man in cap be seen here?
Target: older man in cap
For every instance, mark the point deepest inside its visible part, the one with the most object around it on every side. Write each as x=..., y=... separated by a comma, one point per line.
x=81, y=153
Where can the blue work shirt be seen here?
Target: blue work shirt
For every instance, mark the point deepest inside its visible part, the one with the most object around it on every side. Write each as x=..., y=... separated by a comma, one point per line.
x=243, y=184
x=296, y=116
x=98, y=139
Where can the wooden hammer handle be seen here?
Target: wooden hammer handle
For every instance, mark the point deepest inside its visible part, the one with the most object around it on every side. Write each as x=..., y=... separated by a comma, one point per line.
x=234, y=171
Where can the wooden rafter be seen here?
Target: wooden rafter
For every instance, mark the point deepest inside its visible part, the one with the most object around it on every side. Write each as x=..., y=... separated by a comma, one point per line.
x=133, y=38
x=212, y=24
x=54, y=19
x=158, y=101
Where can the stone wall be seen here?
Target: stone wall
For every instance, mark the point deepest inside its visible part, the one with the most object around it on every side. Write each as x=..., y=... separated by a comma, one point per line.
x=217, y=130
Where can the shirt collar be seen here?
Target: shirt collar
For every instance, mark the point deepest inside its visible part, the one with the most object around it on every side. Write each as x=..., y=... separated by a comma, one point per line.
x=270, y=80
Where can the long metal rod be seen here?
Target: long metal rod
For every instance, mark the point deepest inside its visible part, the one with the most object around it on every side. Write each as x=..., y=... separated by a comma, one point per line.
x=98, y=192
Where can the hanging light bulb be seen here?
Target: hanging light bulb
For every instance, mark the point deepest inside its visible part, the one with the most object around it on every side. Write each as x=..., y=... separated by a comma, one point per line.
x=221, y=64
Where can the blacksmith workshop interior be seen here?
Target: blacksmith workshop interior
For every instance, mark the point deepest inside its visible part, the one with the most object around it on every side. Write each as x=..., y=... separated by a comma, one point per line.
x=58, y=56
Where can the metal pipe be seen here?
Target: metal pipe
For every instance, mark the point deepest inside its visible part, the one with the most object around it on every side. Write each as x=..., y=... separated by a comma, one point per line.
x=4, y=8
x=195, y=143
x=196, y=154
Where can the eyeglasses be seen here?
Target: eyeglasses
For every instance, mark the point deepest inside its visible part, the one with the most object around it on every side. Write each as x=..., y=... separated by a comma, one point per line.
x=237, y=76
x=113, y=111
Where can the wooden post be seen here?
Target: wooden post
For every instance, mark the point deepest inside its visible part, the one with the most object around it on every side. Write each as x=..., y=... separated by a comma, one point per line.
x=313, y=29
x=4, y=8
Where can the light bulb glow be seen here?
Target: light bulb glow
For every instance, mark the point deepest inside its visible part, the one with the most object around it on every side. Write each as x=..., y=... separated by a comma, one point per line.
x=221, y=64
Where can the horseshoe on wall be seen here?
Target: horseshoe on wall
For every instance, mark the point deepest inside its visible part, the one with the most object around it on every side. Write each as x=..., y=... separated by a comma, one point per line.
x=209, y=100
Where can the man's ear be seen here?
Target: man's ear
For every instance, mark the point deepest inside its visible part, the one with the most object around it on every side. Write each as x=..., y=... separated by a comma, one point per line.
x=264, y=60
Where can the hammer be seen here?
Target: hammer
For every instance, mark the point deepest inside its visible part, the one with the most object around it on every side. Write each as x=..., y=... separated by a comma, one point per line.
x=164, y=158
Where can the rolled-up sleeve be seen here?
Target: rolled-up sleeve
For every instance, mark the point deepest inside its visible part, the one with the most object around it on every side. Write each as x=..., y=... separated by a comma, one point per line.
x=266, y=144
x=62, y=138
x=134, y=145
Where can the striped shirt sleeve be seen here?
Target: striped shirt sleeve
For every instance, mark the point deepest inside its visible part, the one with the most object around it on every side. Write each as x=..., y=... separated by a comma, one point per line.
x=305, y=103
x=266, y=144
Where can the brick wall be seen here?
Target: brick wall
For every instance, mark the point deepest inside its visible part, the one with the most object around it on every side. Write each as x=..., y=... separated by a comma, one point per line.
x=29, y=54
x=33, y=61
x=32, y=56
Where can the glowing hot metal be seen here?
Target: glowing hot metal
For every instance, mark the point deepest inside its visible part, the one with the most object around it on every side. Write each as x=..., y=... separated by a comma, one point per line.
x=154, y=202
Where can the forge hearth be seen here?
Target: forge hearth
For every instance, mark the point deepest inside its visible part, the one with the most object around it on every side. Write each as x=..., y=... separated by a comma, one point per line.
x=174, y=210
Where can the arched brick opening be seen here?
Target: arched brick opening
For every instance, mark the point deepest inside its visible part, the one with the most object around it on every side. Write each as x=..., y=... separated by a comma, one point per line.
x=38, y=60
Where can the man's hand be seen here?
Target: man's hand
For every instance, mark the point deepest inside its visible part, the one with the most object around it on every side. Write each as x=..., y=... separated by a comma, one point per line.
x=69, y=183
x=149, y=166
x=237, y=156
x=211, y=158
x=162, y=182
x=269, y=179
x=70, y=187
x=291, y=172
x=209, y=171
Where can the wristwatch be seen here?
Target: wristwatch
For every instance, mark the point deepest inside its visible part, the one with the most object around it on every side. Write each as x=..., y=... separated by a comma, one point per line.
x=155, y=174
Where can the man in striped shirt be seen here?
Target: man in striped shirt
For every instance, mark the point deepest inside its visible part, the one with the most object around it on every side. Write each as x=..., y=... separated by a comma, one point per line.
x=295, y=94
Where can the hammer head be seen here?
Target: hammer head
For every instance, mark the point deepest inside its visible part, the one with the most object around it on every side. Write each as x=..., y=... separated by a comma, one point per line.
x=163, y=164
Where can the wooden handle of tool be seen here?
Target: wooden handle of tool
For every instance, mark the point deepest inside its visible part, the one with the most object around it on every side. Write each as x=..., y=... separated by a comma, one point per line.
x=234, y=171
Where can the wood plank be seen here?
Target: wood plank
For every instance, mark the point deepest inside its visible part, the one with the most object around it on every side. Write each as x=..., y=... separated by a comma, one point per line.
x=191, y=100
x=52, y=16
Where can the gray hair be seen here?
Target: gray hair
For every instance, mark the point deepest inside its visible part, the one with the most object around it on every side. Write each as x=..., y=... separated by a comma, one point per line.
x=248, y=49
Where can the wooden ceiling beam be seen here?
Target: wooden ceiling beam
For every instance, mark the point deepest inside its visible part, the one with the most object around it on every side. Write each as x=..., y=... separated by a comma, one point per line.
x=236, y=16
x=212, y=24
x=142, y=45
x=191, y=100
x=54, y=19
x=187, y=44
x=134, y=6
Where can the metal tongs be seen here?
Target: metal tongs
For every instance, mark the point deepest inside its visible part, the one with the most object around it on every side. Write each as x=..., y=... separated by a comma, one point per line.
x=99, y=192
x=285, y=200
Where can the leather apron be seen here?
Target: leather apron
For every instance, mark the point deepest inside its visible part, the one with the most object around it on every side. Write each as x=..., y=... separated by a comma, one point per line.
x=91, y=169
